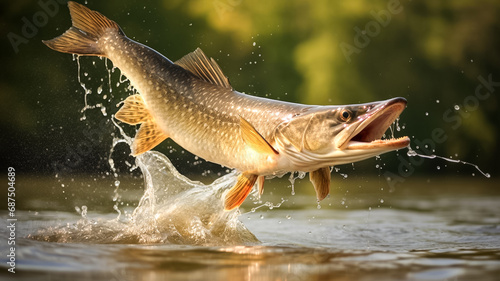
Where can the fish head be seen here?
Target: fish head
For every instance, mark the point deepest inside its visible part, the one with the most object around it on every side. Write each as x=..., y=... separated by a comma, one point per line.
x=330, y=135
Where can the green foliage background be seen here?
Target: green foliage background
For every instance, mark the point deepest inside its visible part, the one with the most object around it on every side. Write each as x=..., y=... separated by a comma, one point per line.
x=431, y=53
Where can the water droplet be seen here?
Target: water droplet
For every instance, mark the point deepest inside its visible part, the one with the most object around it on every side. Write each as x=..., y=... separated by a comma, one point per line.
x=84, y=211
x=427, y=114
x=457, y=107
x=381, y=200
x=254, y=43
x=411, y=153
x=437, y=101
x=438, y=167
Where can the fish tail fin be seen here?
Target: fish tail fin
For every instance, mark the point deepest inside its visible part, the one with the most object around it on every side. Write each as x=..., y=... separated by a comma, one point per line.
x=83, y=37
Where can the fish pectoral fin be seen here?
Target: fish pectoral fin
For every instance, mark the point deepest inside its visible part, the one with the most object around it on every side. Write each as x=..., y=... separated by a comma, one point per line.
x=133, y=111
x=254, y=139
x=239, y=192
x=148, y=136
x=321, y=182
x=204, y=68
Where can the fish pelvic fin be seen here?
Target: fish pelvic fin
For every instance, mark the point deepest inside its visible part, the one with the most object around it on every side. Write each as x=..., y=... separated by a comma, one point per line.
x=239, y=192
x=134, y=112
x=254, y=139
x=204, y=68
x=321, y=182
x=260, y=184
x=83, y=37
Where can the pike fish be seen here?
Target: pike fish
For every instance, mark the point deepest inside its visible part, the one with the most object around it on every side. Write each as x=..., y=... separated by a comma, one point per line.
x=192, y=102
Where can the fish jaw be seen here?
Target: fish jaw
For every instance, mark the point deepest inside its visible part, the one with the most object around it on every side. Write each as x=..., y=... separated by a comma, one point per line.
x=366, y=133
x=358, y=140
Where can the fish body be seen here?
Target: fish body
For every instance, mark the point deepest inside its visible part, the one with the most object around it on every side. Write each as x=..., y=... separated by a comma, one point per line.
x=192, y=102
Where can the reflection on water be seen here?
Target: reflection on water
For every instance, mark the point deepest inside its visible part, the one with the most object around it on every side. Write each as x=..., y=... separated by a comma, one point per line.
x=423, y=230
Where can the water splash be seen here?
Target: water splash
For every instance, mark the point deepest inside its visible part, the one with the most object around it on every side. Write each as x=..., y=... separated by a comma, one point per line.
x=413, y=153
x=88, y=91
x=292, y=178
x=173, y=210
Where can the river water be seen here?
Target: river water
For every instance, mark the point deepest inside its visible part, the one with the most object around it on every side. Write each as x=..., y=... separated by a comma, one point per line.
x=171, y=228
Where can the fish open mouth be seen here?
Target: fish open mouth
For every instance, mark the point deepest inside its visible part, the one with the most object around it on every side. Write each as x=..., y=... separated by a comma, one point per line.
x=368, y=130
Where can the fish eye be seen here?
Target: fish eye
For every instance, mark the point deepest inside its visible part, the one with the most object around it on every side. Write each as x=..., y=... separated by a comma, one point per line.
x=345, y=115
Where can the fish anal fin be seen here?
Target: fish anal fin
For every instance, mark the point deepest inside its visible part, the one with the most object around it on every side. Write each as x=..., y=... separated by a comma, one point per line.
x=148, y=136
x=239, y=192
x=321, y=182
x=254, y=139
x=133, y=111
x=204, y=68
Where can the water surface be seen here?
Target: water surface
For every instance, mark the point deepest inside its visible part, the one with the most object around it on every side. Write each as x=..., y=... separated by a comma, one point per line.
x=171, y=228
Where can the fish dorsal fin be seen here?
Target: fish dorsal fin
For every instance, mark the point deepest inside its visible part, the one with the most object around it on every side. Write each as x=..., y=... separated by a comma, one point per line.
x=134, y=112
x=204, y=68
x=253, y=139
x=321, y=182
